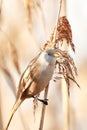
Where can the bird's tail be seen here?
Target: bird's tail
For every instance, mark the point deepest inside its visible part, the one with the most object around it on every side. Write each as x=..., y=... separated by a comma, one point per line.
x=14, y=109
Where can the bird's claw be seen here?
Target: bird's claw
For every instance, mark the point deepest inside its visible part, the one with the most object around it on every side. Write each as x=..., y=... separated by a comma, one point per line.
x=44, y=101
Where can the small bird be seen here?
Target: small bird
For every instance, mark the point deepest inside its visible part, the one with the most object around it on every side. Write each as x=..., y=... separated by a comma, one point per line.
x=35, y=78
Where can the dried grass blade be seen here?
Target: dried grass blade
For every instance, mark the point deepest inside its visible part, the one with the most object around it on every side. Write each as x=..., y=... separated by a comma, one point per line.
x=74, y=81
x=6, y=72
x=14, y=53
x=9, y=79
x=14, y=56
x=29, y=5
x=1, y=122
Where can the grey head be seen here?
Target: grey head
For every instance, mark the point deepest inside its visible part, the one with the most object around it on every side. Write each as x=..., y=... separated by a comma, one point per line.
x=49, y=55
x=50, y=52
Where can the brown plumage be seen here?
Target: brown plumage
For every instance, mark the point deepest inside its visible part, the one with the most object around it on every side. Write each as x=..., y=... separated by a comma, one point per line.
x=35, y=78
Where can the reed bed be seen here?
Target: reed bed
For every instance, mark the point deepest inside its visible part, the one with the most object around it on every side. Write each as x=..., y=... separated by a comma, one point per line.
x=60, y=39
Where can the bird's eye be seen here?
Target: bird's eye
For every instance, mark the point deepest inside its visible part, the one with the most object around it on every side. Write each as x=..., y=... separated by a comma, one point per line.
x=48, y=54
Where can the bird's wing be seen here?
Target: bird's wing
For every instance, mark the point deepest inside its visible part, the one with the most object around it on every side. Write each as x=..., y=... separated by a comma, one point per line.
x=26, y=79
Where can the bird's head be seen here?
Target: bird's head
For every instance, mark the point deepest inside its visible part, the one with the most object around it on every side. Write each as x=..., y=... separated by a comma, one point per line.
x=49, y=56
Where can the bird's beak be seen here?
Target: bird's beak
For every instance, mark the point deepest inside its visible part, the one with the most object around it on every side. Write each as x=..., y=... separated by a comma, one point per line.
x=56, y=55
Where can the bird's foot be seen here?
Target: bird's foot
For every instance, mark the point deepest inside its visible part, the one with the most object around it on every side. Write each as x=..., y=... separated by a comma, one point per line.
x=44, y=101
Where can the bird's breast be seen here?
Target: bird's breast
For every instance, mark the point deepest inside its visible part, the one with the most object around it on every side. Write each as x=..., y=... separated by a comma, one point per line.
x=41, y=77
x=41, y=81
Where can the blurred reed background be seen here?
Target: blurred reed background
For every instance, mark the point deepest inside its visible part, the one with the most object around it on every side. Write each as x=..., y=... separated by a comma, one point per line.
x=20, y=39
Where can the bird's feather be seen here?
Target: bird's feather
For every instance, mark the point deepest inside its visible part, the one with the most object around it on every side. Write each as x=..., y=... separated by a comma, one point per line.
x=26, y=78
